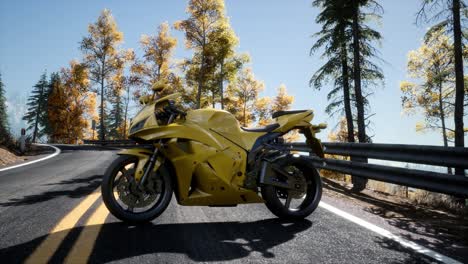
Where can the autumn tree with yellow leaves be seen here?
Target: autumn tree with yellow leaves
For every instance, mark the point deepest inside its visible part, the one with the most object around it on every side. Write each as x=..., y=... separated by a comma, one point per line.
x=226, y=63
x=434, y=94
x=205, y=19
x=70, y=104
x=243, y=93
x=266, y=106
x=155, y=65
x=103, y=57
x=282, y=100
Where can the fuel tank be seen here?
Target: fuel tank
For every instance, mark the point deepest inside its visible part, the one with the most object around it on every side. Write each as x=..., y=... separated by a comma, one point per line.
x=224, y=124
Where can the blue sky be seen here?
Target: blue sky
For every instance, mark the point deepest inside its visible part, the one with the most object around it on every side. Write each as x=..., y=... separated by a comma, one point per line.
x=44, y=35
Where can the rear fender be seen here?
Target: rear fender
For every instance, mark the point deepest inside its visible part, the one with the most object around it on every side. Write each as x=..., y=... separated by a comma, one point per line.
x=314, y=143
x=288, y=122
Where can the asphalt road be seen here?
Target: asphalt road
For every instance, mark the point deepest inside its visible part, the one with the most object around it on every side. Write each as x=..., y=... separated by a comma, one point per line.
x=52, y=210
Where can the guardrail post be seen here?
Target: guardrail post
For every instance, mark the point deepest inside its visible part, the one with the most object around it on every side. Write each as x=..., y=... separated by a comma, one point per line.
x=359, y=183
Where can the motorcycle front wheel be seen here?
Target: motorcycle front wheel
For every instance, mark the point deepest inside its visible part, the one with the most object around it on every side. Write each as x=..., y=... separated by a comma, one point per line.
x=294, y=204
x=129, y=202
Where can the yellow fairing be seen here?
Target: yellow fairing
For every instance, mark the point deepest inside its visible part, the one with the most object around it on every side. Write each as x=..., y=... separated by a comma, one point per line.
x=288, y=122
x=209, y=176
x=215, y=128
x=208, y=153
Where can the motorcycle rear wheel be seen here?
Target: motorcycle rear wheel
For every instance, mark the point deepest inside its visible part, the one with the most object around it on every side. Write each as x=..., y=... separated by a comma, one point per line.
x=308, y=201
x=111, y=194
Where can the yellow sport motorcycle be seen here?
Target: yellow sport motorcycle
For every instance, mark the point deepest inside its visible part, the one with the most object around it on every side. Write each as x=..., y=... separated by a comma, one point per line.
x=207, y=159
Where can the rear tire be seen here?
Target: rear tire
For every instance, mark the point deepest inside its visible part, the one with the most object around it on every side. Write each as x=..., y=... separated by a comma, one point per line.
x=311, y=198
x=108, y=195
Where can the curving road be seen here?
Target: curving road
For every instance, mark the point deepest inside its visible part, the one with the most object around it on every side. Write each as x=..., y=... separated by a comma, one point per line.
x=51, y=211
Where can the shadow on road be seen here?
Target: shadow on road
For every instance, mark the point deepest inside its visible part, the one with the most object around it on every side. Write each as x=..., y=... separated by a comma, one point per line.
x=435, y=230
x=219, y=241
x=90, y=184
x=412, y=256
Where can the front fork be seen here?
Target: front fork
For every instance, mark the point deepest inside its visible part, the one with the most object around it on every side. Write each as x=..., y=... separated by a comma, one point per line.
x=150, y=165
x=154, y=157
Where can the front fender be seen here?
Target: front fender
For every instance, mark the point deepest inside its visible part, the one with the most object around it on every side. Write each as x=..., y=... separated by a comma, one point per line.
x=138, y=152
x=143, y=155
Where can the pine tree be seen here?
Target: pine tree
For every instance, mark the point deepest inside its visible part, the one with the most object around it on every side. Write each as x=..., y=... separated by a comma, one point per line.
x=36, y=115
x=55, y=103
x=4, y=126
x=348, y=41
x=116, y=115
x=336, y=37
x=362, y=12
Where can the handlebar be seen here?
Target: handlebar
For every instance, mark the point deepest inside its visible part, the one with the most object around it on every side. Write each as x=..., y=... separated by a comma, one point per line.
x=172, y=109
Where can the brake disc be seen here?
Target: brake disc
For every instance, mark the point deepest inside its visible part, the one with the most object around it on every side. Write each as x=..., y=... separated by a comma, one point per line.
x=132, y=195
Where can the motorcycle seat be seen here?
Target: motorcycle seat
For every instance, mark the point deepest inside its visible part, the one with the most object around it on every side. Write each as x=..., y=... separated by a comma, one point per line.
x=267, y=128
x=290, y=112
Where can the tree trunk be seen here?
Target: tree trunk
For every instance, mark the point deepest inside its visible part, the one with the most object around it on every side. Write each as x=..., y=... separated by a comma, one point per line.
x=357, y=77
x=213, y=99
x=245, y=110
x=126, y=113
x=359, y=183
x=459, y=82
x=200, y=81
x=442, y=120
x=346, y=96
x=102, y=135
x=221, y=86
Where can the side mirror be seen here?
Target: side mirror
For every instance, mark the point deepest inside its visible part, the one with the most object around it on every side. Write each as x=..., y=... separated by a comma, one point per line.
x=145, y=99
x=322, y=126
x=319, y=127
x=159, y=86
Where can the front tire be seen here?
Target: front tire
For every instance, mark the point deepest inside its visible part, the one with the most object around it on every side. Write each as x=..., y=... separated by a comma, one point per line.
x=119, y=171
x=310, y=199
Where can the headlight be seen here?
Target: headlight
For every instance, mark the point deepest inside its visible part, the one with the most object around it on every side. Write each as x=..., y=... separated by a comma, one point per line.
x=138, y=126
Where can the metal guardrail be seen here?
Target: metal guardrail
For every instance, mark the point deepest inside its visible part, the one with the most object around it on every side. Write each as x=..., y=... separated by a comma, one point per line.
x=118, y=142
x=428, y=155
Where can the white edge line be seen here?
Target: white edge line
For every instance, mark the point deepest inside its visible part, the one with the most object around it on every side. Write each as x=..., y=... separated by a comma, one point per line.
x=57, y=151
x=405, y=243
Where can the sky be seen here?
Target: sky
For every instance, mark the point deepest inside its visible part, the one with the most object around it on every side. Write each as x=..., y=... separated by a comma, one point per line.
x=38, y=36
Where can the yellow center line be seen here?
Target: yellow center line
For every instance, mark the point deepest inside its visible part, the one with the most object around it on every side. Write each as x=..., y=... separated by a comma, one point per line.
x=84, y=245
x=47, y=248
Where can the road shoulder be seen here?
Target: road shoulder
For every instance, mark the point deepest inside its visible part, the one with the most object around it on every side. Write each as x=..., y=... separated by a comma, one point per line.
x=38, y=152
x=440, y=231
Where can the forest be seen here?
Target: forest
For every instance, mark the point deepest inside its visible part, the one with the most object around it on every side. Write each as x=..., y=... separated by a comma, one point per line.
x=99, y=87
